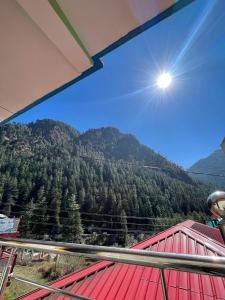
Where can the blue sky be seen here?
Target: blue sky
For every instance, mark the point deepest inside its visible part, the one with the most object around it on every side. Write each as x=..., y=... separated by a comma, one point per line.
x=184, y=123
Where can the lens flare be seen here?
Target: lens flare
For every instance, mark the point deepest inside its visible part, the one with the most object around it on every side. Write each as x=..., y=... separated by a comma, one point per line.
x=164, y=80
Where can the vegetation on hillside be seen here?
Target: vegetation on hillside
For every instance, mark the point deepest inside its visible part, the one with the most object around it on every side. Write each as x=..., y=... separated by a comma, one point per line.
x=51, y=175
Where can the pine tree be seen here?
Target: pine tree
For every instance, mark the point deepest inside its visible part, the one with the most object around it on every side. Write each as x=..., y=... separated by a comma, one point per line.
x=1, y=188
x=27, y=216
x=40, y=213
x=54, y=212
x=9, y=195
x=124, y=238
x=81, y=196
x=1, y=137
x=73, y=229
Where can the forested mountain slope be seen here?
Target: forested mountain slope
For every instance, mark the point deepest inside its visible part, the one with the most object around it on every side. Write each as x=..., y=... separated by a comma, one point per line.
x=50, y=173
x=214, y=164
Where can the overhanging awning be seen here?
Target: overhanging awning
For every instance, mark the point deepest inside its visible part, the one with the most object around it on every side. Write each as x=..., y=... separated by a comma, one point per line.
x=47, y=45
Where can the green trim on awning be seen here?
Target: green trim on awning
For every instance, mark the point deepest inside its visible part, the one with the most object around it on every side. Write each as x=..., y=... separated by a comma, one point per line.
x=70, y=27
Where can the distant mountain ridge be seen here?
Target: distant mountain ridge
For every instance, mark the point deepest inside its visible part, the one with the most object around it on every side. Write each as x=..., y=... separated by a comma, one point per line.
x=214, y=164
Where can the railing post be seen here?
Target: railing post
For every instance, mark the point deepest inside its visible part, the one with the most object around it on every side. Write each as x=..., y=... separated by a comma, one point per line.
x=163, y=282
x=6, y=271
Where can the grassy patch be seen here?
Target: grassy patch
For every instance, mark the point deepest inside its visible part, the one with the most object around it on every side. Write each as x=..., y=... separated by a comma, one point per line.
x=17, y=288
x=42, y=272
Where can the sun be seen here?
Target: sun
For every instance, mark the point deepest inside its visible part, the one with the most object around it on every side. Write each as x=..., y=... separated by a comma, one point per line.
x=164, y=80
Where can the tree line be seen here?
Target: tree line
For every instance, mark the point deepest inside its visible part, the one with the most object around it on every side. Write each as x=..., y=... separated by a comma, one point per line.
x=50, y=176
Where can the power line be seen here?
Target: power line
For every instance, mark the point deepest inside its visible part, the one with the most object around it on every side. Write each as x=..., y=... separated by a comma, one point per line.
x=90, y=226
x=101, y=221
x=93, y=228
x=103, y=215
x=119, y=162
x=208, y=174
x=105, y=221
x=47, y=209
x=126, y=217
x=36, y=215
x=108, y=222
x=50, y=224
x=119, y=230
x=148, y=166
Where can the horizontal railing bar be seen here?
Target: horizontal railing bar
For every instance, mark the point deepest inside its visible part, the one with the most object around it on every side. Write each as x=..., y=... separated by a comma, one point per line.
x=210, y=265
x=49, y=288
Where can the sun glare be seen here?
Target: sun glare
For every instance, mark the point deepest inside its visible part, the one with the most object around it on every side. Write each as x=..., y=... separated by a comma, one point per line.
x=164, y=80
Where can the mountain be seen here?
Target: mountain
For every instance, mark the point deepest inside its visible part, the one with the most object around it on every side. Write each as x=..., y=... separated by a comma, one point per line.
x=113, y=144
x=213, y=164
x=50, y=174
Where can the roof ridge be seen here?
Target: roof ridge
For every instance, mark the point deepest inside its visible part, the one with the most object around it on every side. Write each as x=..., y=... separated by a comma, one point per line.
x=204, y=235
x=213, y=245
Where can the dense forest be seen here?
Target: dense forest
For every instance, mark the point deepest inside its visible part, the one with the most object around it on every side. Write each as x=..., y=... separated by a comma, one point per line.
x=67, y=185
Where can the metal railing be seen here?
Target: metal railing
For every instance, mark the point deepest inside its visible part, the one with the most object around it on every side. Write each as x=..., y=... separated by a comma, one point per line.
x=48, y=288
x=7, y=263
x=208, y=265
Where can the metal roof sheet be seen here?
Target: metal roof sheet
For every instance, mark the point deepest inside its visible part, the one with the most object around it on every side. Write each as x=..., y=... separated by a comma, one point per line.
x=106, y=280
x=210, y=232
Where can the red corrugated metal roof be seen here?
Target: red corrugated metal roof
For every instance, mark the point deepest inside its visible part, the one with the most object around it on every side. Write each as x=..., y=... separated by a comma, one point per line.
x=8, y=234
x=106, y=280
x=211, y=232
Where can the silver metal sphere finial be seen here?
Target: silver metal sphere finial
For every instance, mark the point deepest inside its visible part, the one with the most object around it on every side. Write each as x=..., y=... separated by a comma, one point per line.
x=216, y=204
